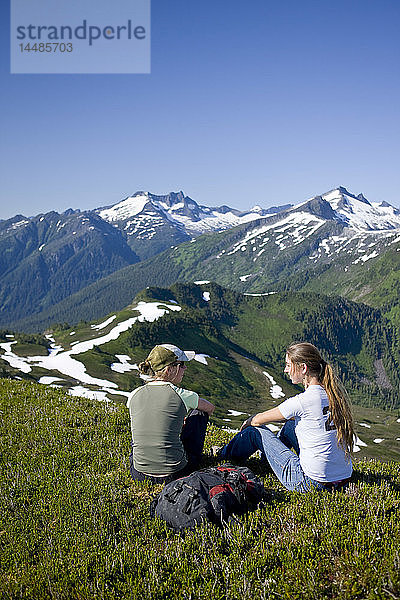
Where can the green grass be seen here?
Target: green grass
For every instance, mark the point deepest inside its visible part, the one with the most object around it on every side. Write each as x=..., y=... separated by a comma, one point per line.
x=74, y=524
x=30, y=350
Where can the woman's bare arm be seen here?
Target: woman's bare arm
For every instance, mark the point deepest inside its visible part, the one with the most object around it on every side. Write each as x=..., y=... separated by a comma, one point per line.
x=268, y=416
x=206, y=406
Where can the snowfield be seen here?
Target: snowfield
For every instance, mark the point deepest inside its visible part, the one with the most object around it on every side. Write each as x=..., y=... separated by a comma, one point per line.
x=63, y=361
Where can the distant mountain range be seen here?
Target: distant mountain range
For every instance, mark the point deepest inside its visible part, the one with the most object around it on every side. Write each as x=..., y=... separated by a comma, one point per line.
x=143, y=216
x=48, y=257
x=82, y=265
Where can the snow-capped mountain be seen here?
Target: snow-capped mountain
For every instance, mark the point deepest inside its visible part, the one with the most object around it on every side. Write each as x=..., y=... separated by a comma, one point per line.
x=358, y=228
x=144, y=212
x=335, y=224
x=359, y=214
x=46, y=258
x=151, y=223
x=320, y=244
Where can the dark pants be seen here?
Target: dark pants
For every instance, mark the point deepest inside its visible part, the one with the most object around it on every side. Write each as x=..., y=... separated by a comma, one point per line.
x=192, y=436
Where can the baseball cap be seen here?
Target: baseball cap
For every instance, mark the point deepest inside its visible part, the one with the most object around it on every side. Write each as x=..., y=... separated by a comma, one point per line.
x=165, y=354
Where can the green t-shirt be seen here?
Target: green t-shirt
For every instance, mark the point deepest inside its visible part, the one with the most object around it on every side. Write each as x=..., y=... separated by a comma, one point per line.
x=157, y=412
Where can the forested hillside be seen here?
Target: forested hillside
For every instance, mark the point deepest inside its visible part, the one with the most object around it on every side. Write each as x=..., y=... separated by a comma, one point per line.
x=47, y=258
x=361, y=343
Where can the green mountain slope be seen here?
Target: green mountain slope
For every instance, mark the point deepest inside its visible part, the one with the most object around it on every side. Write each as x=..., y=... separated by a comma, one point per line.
x=356, y=337
x=376, y=282
x=51, y=256
x=244, y=338
x=109, y=294
x=74, y=525
x=207, y=257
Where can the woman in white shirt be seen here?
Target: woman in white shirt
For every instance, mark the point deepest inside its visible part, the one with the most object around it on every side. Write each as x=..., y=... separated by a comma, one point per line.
x=319, y=428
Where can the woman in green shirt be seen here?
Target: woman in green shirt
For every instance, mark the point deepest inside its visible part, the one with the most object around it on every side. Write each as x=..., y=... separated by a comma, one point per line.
x=168, y=423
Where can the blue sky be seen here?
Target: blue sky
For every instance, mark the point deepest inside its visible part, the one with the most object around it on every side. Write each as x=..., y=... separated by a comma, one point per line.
x=259, y=102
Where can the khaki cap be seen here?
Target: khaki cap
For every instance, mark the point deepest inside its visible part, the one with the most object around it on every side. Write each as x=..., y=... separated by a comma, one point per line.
x=166, y=354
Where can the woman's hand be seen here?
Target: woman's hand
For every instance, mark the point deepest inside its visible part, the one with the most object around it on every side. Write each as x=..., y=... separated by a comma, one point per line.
x=247, y=423
x=269, y=416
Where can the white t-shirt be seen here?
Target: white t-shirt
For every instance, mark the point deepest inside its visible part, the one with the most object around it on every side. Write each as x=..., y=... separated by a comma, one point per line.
x=320, y=456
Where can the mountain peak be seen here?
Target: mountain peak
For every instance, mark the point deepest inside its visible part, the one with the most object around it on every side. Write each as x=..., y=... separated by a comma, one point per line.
x=139, y=193
x=362, y=198
x=319, y=207
x=342, y=190
x=359, y=214
x=128, y=207
x=344, y=195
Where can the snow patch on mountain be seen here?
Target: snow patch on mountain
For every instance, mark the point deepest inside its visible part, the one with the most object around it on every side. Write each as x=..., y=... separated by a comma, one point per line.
x=49, y=380
x=79, y=390
x=13, y=360
x=127, y=208
x=358, y=444
x=104, y=324
x=366, y=257
x=355, y=243
x=201, y=358
x=214, y=221
x=259, y=294
x=123, y=366
x=63, y=361
x=276, y=391
x=19, y=224
x=295, y=226
x=361, y=215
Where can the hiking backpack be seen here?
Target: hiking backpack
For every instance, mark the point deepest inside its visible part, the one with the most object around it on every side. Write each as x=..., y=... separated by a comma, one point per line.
x=212, y=495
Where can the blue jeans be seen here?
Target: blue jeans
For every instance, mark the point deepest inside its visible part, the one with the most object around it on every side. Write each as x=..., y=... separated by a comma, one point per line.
x=276, y=449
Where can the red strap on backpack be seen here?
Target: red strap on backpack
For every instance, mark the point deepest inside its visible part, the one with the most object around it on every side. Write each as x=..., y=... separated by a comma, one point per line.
x=217, y=489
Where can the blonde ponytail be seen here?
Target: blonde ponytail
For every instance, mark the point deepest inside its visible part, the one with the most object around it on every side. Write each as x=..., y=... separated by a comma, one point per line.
x=339, y=402
x=340, y=409
x=145, y=368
